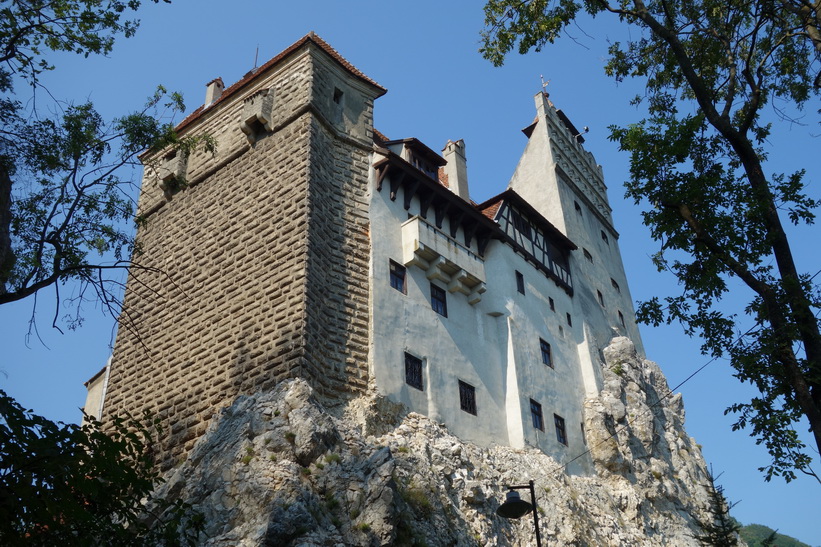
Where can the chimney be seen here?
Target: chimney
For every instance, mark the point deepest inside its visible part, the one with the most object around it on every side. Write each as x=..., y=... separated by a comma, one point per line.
x=457, y=168
x=213, y=91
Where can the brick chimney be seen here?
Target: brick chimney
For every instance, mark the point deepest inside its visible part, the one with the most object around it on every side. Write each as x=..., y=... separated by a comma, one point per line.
x=213, y=91
x=457, y=168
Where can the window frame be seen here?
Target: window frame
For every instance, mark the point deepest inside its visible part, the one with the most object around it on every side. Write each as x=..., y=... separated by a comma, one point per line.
x=546, y=351
x=414, y=370
x=561, y=429
x=439, y=300
x=520, y=282
x=467, y=398
x=395, y=279
x=536, y=415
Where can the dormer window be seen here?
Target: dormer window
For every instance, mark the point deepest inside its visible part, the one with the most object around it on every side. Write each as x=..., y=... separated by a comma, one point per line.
x=425, y=166
x=521, y=225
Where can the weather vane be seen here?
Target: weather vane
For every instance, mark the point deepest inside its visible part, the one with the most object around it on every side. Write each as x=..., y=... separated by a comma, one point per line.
x=544, y=84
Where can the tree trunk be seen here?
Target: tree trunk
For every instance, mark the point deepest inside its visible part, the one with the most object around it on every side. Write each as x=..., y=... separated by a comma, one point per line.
x=6, y=253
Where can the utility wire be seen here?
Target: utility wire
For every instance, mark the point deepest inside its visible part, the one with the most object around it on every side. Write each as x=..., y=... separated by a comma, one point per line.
x=619, y=429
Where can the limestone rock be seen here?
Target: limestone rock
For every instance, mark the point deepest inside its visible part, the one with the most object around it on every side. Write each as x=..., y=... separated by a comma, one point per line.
x=278, y=469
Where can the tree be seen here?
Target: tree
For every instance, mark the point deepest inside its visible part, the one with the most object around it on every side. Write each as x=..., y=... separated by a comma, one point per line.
x=721, y=529
x=65, y=216
x=70, y=485
x=65, y=210
x=699, y=163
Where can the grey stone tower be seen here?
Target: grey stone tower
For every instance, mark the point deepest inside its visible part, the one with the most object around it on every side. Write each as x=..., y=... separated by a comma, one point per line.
x=254, y=264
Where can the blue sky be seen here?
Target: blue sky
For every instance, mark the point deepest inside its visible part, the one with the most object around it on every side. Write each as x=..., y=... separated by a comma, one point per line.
x=439, y=88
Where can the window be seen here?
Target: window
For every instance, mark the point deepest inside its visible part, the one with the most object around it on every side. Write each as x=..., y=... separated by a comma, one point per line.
x=398, y=277
x=621, y=320
x=577, y=207
x=521, y=225
x=561, y=433
x=536, y=415
x=338, y=95
x=569, y=320
x=604, y=237
x=467, y=397
x=520, y=282
x=601, y=298
x=588, y=256
x=438, y=300
x=547, y=356
x=584, y=437
x=413, y=371
x=615, y=285
x=552, y=304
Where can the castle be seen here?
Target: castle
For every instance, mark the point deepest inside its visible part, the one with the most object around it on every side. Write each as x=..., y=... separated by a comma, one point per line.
x=311, y=245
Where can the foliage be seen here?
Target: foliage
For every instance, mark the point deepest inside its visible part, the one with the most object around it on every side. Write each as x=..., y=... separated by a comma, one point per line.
x=721, y=530
x=70, y=485
x=757, y=535
x=698, y=164
x=31, y=28
x=65, y=206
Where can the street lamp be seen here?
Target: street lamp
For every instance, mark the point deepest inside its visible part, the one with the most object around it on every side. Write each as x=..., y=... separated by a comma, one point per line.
x=515, y=507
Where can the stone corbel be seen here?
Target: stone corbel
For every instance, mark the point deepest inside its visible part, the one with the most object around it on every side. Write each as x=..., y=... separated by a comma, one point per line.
x=435, y=270
x=476, y=295
x=171, y=171
x=257, y=114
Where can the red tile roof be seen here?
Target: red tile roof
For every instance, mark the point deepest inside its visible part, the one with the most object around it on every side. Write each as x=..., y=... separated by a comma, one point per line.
x=251, y=75
x=490, y=209
x=378, y=135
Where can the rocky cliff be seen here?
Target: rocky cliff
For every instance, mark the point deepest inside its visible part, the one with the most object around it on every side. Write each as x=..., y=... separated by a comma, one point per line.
x=278, y=469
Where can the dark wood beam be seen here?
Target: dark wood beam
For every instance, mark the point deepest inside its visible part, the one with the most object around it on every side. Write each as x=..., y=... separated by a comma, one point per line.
x=382, y=167
x=424, y=203
x=410, y=190
x=455, y=219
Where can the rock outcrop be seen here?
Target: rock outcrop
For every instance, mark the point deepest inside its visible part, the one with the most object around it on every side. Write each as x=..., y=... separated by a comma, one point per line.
x=278, y=469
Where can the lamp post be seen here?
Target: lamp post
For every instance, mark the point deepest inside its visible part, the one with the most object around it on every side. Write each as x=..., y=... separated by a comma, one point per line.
x=515, y=507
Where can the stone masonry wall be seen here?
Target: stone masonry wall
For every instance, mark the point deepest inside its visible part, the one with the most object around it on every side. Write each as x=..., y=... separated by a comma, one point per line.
x=339, y=245
x=240, y=293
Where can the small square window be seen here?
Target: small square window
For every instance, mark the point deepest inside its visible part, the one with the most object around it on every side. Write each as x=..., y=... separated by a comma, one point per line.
x=520, y=282
x=547, y=355
x=552, y=304
x=588, y=256
x=536, y=415
x=615, y=285
x=398, y=277
x=569, y=320
x=561, y=433
x=467, y=397
x=413, y=371
x=601, y=298
x=338, y=95
x=604, y=237
x=621, y=319
x=438, y=300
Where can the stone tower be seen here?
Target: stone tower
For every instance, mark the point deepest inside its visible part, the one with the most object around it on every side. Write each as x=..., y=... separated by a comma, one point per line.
x=256, y=258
